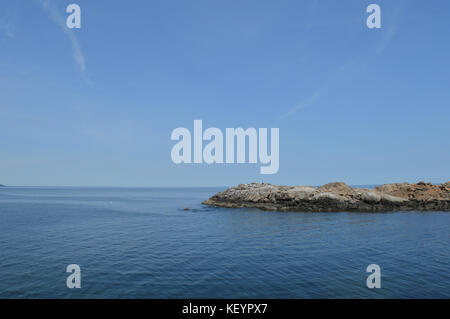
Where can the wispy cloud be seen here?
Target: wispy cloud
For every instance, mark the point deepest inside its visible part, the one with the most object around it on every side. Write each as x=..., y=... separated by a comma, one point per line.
x=355, y=63
x=333, y=77
x=304, y=103
x=57, y=16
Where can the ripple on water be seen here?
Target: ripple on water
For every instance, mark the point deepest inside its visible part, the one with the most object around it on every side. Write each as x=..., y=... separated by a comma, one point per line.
x=140, y=243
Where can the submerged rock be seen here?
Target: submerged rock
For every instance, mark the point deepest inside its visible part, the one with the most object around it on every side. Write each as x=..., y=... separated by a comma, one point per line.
x=336, y=197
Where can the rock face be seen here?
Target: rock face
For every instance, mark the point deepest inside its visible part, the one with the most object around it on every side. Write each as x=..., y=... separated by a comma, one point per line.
x=336, y=197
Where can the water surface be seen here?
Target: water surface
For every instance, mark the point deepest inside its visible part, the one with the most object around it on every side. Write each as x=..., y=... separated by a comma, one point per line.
x=140, y=243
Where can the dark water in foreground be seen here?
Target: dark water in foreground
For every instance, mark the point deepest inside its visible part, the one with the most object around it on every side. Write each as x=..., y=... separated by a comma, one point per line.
x=140, y=243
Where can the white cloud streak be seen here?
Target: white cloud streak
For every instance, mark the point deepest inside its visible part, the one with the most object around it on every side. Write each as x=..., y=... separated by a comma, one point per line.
x=52, y=11
x=356, y=63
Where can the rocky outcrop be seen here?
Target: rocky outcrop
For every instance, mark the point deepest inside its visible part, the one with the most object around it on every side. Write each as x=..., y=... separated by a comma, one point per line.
x=336, y=197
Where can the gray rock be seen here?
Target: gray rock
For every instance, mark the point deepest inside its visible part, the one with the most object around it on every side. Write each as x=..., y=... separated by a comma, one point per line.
x=336, y=197
x=371, y=197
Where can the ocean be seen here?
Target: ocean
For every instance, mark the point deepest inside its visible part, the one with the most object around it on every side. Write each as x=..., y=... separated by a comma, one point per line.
x=141, y=243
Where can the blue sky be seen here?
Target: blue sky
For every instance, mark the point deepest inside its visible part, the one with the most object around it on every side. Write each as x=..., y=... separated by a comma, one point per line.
x=96, y=106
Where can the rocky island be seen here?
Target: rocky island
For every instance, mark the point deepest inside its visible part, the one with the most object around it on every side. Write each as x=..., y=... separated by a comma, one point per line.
x=336, y=197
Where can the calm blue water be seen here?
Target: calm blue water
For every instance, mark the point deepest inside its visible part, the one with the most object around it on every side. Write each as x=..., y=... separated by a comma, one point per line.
x=140, y=243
